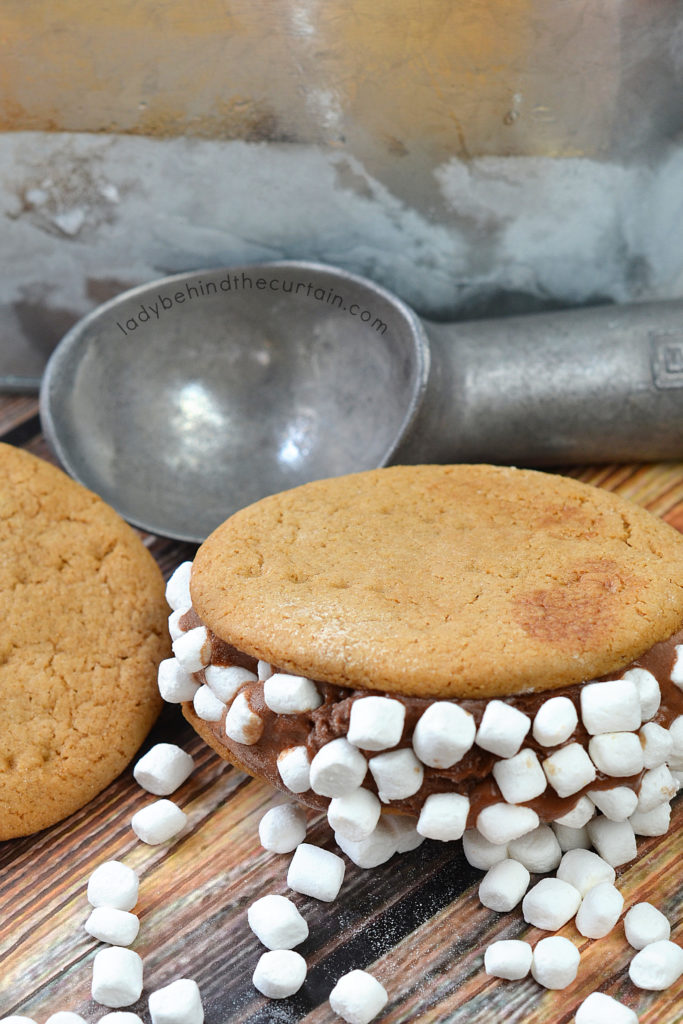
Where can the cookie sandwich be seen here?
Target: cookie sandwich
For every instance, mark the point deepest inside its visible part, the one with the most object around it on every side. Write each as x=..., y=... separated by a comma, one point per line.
x=477, y=647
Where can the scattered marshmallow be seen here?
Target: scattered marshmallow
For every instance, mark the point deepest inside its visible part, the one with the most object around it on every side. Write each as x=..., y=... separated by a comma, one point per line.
x=120, y=1017
x=613, y=706
x=17, y=1019
x=294, y=766
x=480, y=852
x=571, y=838
x=599, y=1008
x=520, y=778
x=644, y=924
x=649, y=694
x=264, y=670
x=174, y=618
x=617, y=803
x=615, y=841
x=555, y=962
x=158, y=822
x=282, y=828
x=193, y=649
x=580, y=814
x=504, y=885
x=227, y=680
x=616, y=753
x=677, y=670
x=207, y=706
x=376, y=723
x=175, y=684
x=276, y=922
x=550, y=904
x=569, y=769
x=65, y=1017
x=403, y=830
x=676, y=733
x=354, y=815
x=358, y=997
x=555, y=721
x=279, y=973
x=337, y=768
x=502, y=729
x=657, y=744
x=290, y=695
x=241, y=723
x=443, y=734
x=539, y=851
x=398, y=774
x=113, y=884
x=177, y=1003
x=501, y=823
x=116, y=977
x=377, y=849
x=657, y=966
x=163, y=769
x=657, y=786
x=508, y=958
x=443, y=816
x=584, y=869
x=600, y=910
x=117, y=927
x=316, y=872
x=652, y=823
x=178, y=587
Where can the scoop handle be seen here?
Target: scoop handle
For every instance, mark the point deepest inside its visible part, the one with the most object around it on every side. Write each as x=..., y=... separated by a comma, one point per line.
x=596, y=384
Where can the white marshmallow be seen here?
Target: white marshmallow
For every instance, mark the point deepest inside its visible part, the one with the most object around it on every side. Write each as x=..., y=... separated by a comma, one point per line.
x=599, y=1008
x=500, y=823
x=555, y=962
x=657, y=744
x=264, y=670
x=508, y=958
x=158, y=822
x=677, y=670
x=600, y=910
x=615, y=841
x=241, y=723
x=16, y=1018
x=571, y=838
x=652, y=823
x=520, y=778
x=404, y=832
x=657, y=786
x=174, y=618
x=555, y=721
x=617, y=803
x=644, y=924
x=649, y=694
x=443, y=735
x=294, y=767
x=355, y=815
x=338, y=768
x=613, y=706
x=550, y=904
x=178, y=587
x=276, y=922
x=584, y=870
x=113, y=884
x=120, y=1017
x=116, y=977
x=163, y=769
x=290, y=695
x=569, y=769
x=676, y=733
x=502, y=729
x=177, y=1003
x=358, y=997
x=207, y=706
x=193, y=649
x=175, y=684
x=656, y=967
x=227, y=680
x=376, y=723
x=398, y=774
x=377, y=849
x=316, y=872
x=279, y=973
x=580, y=814
x=443, y=816
x=65, y=1017
x=480, y=852
x=539, y=851
x=282, y=828
x=117, y=927
x=504, y=885
x=616, y=753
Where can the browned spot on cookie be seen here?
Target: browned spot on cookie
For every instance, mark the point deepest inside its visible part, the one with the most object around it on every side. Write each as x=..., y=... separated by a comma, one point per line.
x=567, y=520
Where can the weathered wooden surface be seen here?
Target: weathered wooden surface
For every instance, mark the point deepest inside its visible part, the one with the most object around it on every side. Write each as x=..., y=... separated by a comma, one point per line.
x=415, y=922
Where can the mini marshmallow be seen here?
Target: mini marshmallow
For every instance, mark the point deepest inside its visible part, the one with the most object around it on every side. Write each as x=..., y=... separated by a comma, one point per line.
x=177, y=1003
x=264, y=670
x=617, y=803
x=174, y=618
x=569, y=769
x=163, y=769
x=316, y=872
x=120, y=1017
x=227, y=680
x=555, y=962
x=358, y=997
x=193, y=649
x=207, y=706
x=282, y=828
x=508, y=958
x=584, y=870
x=117, y=927
x=113, y=884
x=657, y=744
x=550, y=904
x=600, y=910
x=520, y=778
x=116, y=977
x=355, y=815
x=158, y=822
x=397, y=774
x=613, y=706
x=616, y=753
x=539, y=851
x=676, y=734
x=277, y=923
x=644, y=924
x=290, y=695
x=175, y=684
x=580, y=814
x=443, y=816
x=657, y=786
x=502, y=729
x=571, y=838
x=480, y=852
x=279, y=973
x=652, y=823
x=17, y=1019
x=376, y=723
x=294, y=767
x=504, y=885
x=241, y=723
x=615, y=841
x=65, y=1017
x=555, y=721
x=178, y=587
x=443, y=734
x=677, y=670
x=656, y=967
x=500, y=823
x=337, y=768
x=404, y=832
x=599, y=1008
x=649, y=694
x=373, y=851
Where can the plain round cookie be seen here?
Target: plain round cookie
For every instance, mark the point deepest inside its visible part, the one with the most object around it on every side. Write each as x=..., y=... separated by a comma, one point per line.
x=437, y=581
x=82, y=630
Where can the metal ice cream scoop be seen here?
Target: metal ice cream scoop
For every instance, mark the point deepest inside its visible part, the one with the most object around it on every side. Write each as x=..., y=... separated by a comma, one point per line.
x=183, y=400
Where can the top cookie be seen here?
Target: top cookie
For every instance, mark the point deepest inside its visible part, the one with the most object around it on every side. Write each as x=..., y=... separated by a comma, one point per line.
x=443, y=581
x=83, y=629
